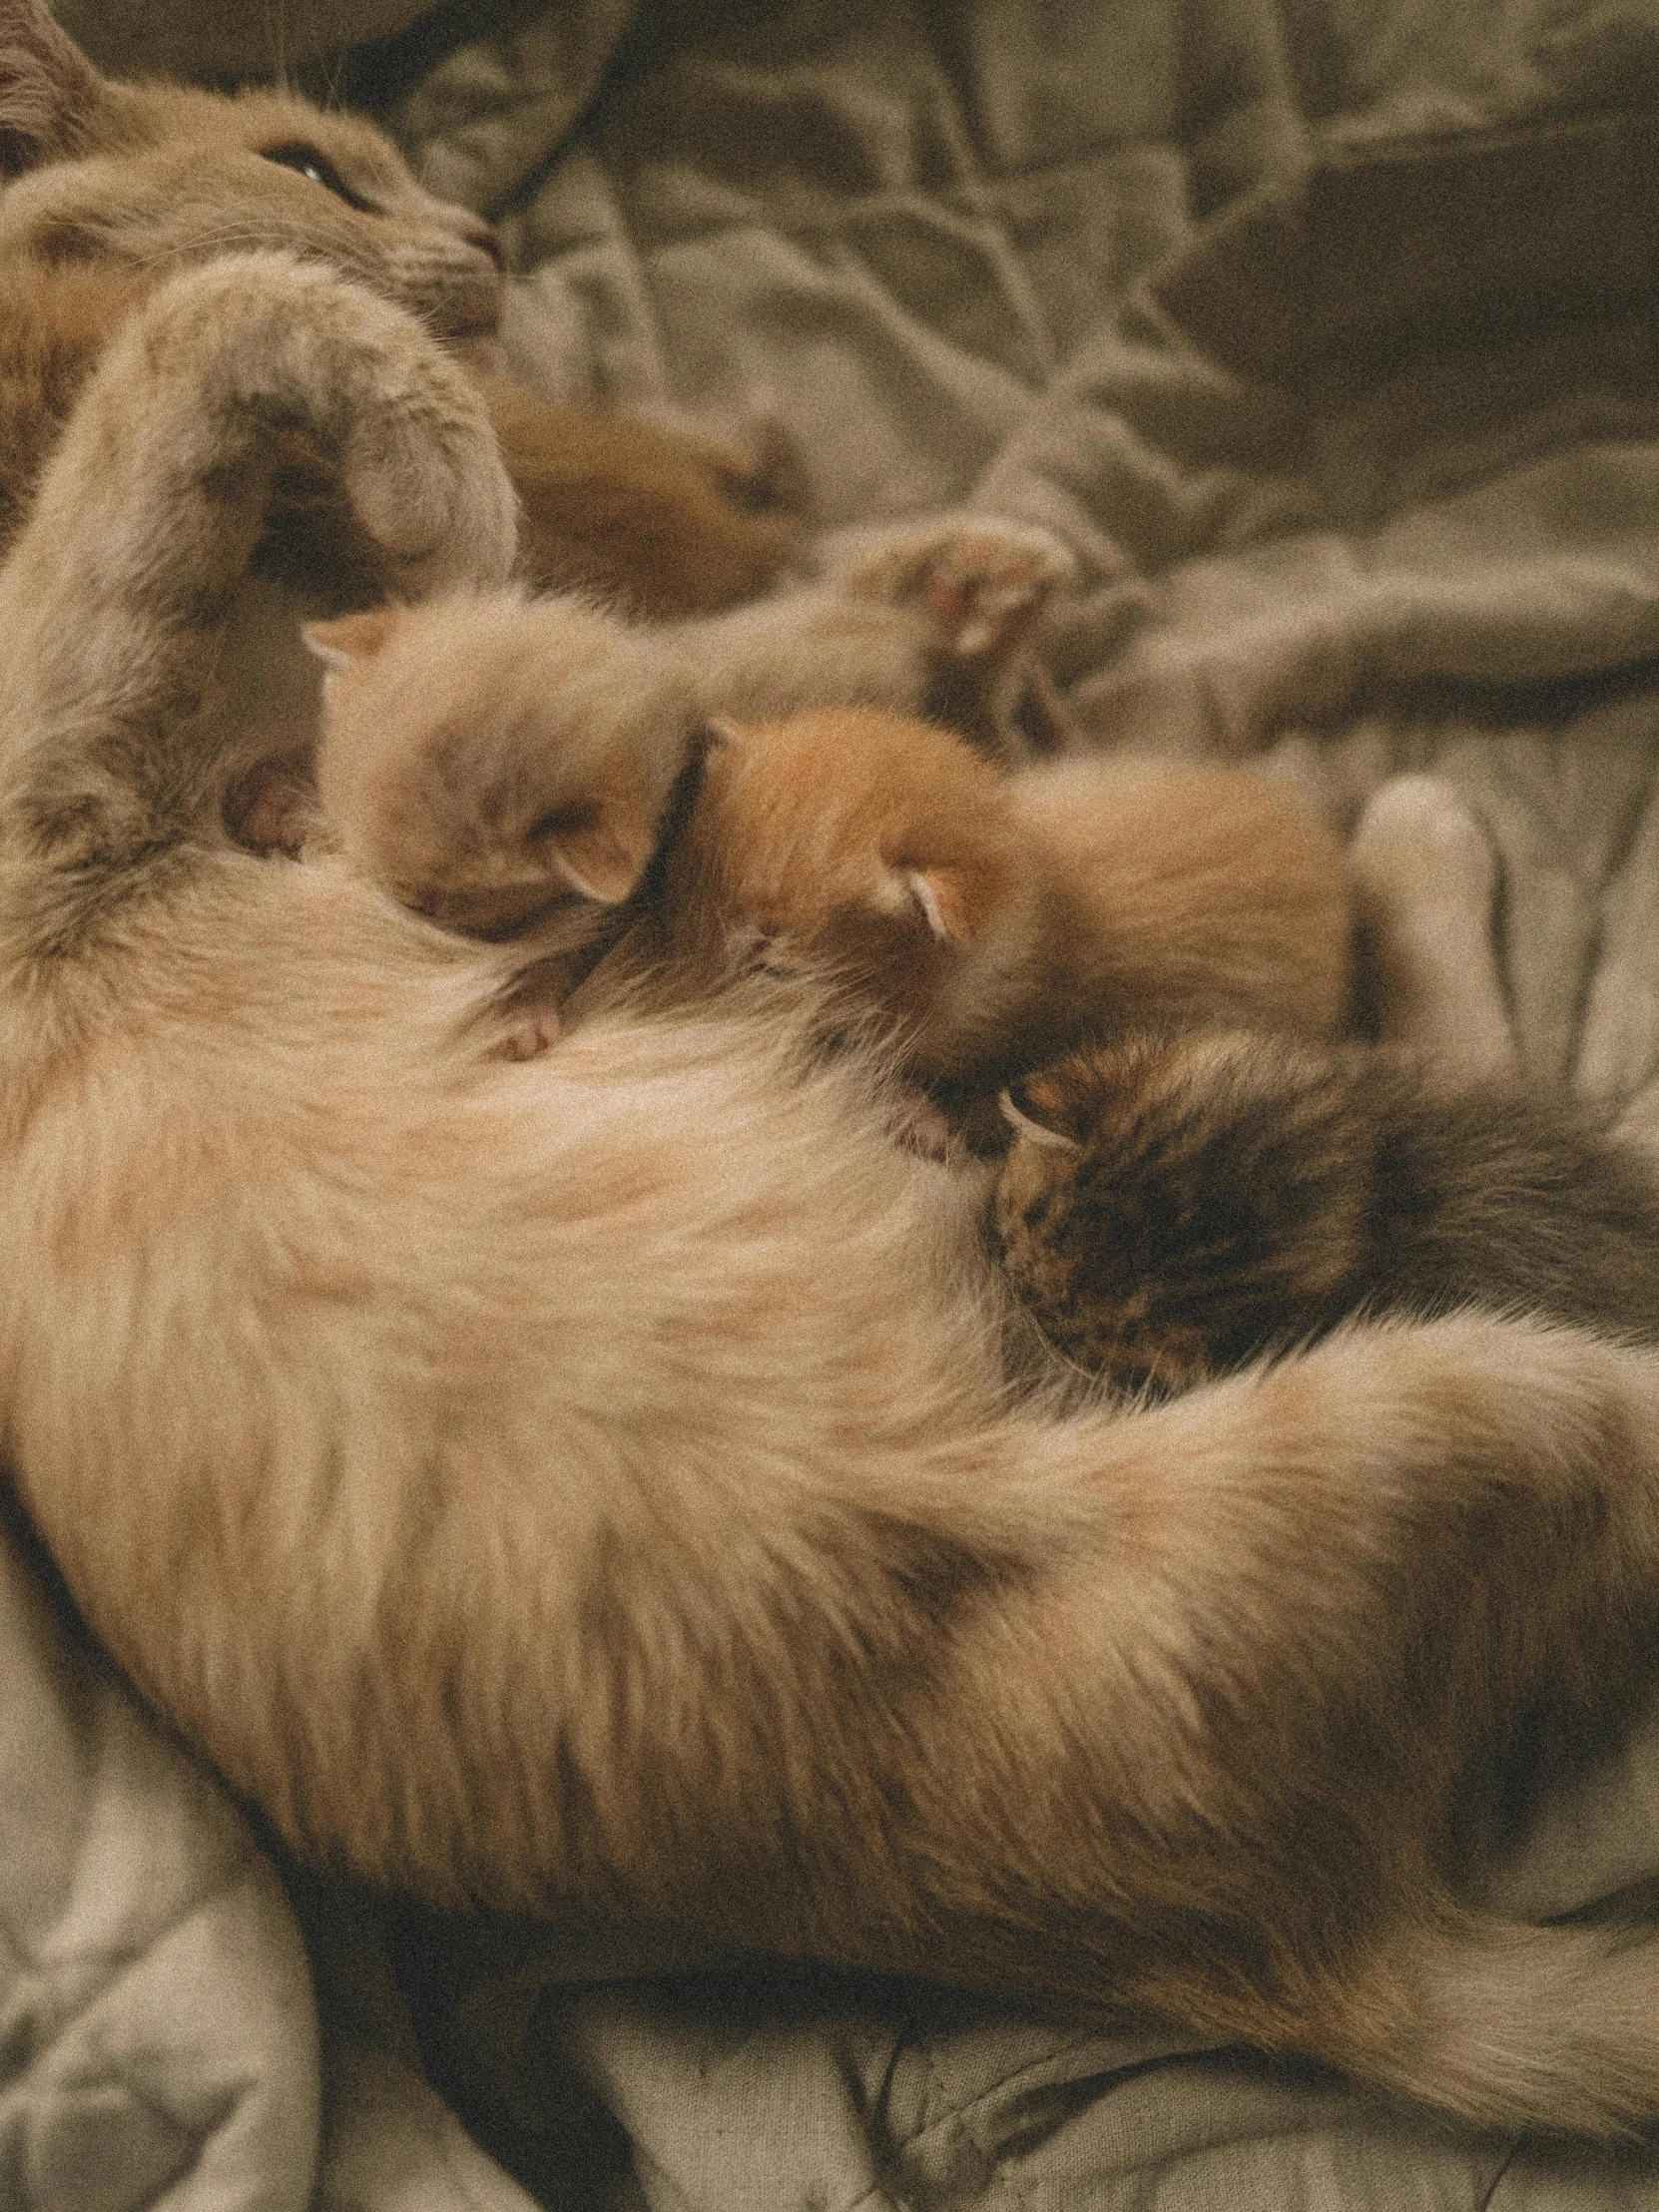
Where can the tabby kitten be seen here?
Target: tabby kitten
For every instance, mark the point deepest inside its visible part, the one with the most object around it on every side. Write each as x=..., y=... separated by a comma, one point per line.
x=111, y=187
x=1173, y=1207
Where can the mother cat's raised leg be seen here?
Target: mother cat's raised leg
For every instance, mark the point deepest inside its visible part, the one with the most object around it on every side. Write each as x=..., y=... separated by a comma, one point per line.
x=594, y=1477
x=119, y=693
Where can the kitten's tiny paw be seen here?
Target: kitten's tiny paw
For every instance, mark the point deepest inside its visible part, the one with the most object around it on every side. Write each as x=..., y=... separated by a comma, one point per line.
x=1418, y=844
x=529, y=1034
x=981, y=581
x=271, y=809
x=921, y=1125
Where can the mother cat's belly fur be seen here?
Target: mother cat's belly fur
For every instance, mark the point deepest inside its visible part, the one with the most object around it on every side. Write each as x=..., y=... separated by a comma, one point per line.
x=309, y=1295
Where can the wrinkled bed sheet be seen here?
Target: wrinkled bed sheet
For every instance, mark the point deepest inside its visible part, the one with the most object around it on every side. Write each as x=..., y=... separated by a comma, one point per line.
x=1323, y=330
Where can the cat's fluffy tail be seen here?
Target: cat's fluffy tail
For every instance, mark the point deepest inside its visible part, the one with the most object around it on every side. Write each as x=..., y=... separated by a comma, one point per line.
x=1503, y=2023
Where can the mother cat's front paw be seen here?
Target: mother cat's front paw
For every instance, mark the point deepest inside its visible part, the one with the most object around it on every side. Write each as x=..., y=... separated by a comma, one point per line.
x=234, y=375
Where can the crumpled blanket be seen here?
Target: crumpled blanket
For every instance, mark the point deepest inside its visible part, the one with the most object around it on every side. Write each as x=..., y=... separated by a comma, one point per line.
x=1323, y=332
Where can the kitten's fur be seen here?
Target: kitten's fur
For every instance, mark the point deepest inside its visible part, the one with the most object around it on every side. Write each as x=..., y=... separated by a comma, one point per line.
x=482, y=758
x=597, y=1476
x=1173, y=1207
x=991, y=920
x=487, y=757
x=110, y=187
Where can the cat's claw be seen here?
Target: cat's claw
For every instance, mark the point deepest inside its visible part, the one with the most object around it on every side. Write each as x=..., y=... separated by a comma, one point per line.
x=981, y=581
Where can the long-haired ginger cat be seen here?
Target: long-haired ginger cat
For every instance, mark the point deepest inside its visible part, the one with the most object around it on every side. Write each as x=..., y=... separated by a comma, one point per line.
x=597, y=1477
x=110, y=187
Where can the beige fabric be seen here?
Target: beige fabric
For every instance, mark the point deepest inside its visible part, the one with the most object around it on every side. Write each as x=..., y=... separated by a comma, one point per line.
x=185, y=38
x=158, y=2045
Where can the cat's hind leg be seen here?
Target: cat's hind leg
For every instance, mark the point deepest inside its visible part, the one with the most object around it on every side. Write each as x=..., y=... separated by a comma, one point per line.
x=1425, y=879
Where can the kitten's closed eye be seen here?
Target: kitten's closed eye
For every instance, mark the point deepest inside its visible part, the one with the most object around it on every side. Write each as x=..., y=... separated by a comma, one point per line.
x=306, y=161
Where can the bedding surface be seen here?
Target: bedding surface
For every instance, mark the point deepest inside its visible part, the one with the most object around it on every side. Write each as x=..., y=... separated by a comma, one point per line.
x=1323, y=330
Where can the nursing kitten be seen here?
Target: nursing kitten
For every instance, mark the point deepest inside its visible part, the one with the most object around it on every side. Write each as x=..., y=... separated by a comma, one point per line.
x=596, y=1478
x=110, y=187
x=989, y=922
x=1173, y=1207
x=983, y=922
x=499, y=761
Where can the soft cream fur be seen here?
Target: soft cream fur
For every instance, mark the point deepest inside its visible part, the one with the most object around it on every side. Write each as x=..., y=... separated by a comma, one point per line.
x=595, y=1477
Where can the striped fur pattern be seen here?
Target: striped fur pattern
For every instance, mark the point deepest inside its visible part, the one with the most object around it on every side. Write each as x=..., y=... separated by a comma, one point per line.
x=1174, y=1207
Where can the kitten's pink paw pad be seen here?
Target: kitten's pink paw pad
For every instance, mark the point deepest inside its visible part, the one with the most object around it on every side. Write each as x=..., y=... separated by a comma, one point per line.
x=983, y=582
x=529, y=1036
x=921, y=1126
x=272, y=810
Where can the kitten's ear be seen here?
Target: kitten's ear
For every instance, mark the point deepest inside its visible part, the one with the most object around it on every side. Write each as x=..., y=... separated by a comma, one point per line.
x=1036, y=1107
x=939, y=896
x=52, y=100
x=350, y=639
x=600, y=849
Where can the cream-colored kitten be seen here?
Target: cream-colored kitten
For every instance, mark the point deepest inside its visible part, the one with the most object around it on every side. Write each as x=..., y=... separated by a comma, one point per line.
x=595, y=1477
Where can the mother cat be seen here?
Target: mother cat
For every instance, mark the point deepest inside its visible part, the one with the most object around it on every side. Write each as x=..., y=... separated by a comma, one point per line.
x=595, y=1477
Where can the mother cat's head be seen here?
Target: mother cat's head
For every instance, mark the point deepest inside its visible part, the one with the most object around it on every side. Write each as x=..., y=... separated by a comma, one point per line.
x=146, y=177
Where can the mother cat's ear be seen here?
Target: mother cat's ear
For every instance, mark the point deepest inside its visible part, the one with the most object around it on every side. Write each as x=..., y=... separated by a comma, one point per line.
x=53, y=104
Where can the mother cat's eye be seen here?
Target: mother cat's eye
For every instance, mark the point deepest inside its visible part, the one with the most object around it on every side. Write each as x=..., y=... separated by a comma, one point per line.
x=306, y=161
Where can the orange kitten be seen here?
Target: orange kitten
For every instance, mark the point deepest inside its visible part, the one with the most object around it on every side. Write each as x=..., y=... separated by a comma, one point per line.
x=995, y=921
